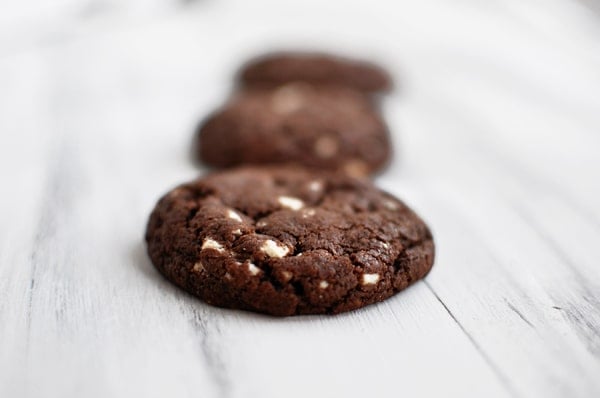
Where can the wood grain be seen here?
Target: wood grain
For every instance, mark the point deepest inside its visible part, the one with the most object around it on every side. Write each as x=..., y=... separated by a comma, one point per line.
x=496, y=125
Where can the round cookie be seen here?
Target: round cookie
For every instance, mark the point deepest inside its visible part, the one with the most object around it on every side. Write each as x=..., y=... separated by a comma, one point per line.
x=330, y=128
x=280, y=68
x=287, y=241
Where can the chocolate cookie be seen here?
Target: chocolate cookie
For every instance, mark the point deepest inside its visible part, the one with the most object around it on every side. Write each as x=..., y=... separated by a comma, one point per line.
x=281, y=68
x=332, y=128
x=286, y=241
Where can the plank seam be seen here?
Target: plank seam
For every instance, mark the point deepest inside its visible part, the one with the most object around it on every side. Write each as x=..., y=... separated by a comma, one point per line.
x=495, y=369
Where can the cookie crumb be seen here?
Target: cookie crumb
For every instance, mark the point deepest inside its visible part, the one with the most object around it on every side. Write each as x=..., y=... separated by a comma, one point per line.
x=290, y=203
x=370, y=279
x=233, y=215
x=272, y=249
x=210, y=243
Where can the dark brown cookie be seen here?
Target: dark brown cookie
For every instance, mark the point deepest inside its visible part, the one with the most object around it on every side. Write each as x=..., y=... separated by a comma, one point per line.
x=280, y=68
x=331, y=128
x=285, y=241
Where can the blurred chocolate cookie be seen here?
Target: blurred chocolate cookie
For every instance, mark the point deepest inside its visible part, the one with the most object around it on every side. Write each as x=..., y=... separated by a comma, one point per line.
x=326, y=127
x=286, y=241
x=280, y=68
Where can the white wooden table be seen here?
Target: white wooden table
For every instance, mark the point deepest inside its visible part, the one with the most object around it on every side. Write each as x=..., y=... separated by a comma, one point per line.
x=497, y=131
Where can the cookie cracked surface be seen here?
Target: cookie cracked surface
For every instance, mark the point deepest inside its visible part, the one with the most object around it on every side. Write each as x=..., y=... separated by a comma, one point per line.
x=286, y=241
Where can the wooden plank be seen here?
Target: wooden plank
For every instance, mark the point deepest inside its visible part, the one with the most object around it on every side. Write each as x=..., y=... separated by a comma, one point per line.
x=98, y=312
x=536, y=314
x=100, y=124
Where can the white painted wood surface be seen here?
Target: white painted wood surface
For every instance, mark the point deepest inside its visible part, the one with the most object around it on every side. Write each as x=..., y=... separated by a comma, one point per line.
x=497, y=131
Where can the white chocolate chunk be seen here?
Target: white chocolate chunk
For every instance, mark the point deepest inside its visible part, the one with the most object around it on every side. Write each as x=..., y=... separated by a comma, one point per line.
x=233, y=215
x=254, y=270
x=228, y=276
x=326, y=147
x=261, y=224
x=210, y=243
x=286, y=275
x=237, y=232
x=323, y=284
x=272, y=249
x=290, y=203
x=287, y=99
x=308, y=213
x=315, y=186
x=356, y=168
x=370, y=279
x=390, y=205
x=198, y=267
